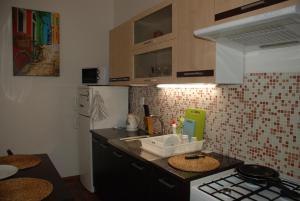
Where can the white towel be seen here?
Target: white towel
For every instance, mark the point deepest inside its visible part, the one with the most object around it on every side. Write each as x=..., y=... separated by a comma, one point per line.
x=98, y=110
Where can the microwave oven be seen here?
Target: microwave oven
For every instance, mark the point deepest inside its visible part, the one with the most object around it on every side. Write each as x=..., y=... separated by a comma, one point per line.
x=90, y=75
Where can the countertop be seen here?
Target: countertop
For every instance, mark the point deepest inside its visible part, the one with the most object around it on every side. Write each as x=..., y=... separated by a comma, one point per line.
x=46, y=170
x=133, y=148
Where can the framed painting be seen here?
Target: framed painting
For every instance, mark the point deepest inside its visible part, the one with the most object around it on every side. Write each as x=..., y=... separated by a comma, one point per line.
x=35, y=42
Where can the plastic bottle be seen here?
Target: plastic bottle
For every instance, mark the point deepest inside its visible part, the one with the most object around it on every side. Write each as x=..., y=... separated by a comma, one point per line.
x=174, y=129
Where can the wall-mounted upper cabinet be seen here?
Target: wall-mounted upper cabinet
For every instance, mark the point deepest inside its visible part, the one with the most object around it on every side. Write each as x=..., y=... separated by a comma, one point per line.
x=120, y=61
x=162, y=47
x=154, y=64
x=154, y=25
x=196, y=59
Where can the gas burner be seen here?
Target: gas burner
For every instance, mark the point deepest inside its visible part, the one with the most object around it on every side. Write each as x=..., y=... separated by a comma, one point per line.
x=226, y=191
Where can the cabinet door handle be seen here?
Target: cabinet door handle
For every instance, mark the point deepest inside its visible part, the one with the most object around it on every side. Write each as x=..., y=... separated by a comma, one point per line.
x=98, y=142
x=147, y=42
x=138, y=167
x=117, y=154
x=252, y=5
x=165, y=183
x=81, y=105
x=103, y=145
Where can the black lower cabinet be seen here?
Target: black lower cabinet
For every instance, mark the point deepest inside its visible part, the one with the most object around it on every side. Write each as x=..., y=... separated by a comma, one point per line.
x=110, y=172
x=166, y=187
x=101, y=167
x=139, y=180
x=119, y=176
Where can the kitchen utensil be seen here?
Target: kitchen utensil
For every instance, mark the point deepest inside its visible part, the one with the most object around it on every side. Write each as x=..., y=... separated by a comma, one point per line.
x=132, y=122
x=198, y=116
x=258, y=173
x=193, y=163
x=193, y=156
x=146, y=110
x=7, y=171
x=25, y=189
x=21, y=161
x=189, y=128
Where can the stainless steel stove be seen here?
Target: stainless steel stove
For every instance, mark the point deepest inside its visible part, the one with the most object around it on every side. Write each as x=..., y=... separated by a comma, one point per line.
x=228, y=185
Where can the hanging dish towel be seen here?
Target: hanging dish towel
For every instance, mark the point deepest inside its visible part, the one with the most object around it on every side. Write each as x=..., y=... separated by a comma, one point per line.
x=98, y=110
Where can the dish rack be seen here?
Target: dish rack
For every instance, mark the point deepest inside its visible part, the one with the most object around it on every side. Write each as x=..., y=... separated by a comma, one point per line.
x=156, y=146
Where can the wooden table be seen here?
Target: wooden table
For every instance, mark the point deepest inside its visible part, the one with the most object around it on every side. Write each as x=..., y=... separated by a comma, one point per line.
x=46, y=170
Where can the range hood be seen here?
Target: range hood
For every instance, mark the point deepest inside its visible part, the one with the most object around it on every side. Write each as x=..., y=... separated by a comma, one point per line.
x=278, y=28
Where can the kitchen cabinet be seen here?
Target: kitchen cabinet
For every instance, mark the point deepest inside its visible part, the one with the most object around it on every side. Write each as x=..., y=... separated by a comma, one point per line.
x=195, y=57
x=114, y=169
x=139, y=174
x=154, y=25
x=154, y=64
x=120, y=60
x=101, y=169
x=167, y=187
x=184, y=58
x=109, y=170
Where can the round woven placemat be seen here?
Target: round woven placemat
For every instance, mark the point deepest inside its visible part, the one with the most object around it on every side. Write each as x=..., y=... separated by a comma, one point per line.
x=193, y=165
x=25, y=189
x=20, y=161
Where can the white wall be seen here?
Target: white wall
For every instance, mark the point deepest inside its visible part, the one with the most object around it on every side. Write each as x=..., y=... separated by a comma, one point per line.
x=37, y=114
x=126, y=9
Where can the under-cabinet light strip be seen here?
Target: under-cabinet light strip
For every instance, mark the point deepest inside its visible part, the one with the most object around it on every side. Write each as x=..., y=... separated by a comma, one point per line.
x=181, y=86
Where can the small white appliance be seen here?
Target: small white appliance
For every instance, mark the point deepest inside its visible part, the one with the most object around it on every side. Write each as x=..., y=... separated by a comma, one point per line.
x=228, y=185
x=99, y=107
x=132, y=122
x=268, y=30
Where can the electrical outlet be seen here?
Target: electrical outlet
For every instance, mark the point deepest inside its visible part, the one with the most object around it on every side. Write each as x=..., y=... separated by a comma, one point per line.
x=142, y=101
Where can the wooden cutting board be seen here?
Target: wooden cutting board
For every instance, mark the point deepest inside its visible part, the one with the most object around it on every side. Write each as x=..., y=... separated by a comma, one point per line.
x=201, y=164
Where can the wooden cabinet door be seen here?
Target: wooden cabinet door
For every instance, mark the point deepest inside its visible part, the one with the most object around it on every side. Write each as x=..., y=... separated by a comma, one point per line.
x=225, y=5
x=120, y=60
x=194, y=54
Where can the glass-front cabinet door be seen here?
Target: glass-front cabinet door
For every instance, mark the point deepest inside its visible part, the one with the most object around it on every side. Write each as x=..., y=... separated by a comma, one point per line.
x=154, y=62
x=154, y=25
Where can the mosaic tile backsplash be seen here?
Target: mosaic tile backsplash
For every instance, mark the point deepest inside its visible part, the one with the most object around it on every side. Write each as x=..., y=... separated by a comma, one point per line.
x=258, y=122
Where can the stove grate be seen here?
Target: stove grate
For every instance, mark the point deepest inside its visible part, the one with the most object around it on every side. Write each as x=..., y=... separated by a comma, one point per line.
x=234, y=187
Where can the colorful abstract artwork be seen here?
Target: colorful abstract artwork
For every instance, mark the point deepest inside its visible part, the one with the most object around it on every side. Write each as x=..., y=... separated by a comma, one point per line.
x=35, y=43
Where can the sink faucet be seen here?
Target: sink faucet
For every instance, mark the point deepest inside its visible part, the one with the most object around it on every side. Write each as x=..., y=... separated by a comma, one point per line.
x=157, y=117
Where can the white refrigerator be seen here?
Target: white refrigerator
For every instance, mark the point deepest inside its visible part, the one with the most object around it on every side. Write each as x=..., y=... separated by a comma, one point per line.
x=99, y=107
